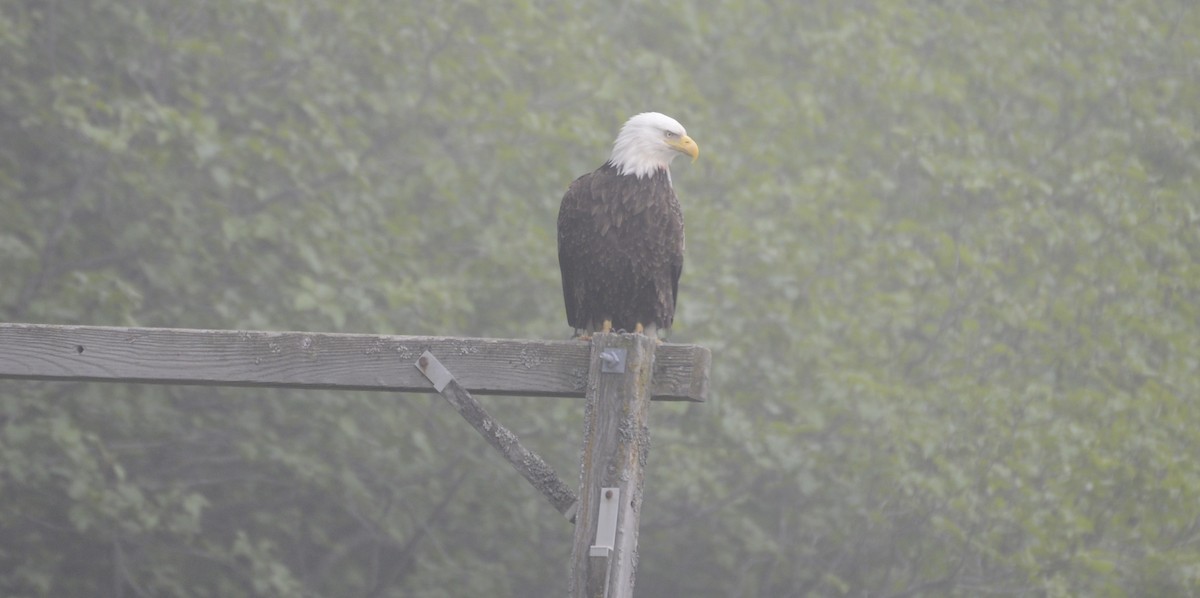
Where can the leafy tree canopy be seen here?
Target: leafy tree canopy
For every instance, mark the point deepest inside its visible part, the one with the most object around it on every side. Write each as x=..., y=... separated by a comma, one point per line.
x=945, y=254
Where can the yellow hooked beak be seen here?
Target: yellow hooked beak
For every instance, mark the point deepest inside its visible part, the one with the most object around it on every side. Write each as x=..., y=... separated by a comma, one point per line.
x=685, y=145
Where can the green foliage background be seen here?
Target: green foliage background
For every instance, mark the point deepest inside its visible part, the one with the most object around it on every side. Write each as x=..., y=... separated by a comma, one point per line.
x=945, y=255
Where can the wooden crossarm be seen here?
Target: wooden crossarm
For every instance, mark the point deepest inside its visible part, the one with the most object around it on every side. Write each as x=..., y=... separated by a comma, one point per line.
x=333, y=361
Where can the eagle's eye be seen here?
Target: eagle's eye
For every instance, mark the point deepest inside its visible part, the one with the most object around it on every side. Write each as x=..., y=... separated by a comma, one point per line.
x=670, y=135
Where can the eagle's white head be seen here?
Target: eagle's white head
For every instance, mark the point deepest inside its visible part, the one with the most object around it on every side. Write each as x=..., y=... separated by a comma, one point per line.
x=648, y=142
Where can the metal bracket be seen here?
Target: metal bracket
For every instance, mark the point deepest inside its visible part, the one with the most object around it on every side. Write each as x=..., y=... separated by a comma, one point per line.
x=600, y=554
x=434, y=370
x=606, y=522
x=612, y=361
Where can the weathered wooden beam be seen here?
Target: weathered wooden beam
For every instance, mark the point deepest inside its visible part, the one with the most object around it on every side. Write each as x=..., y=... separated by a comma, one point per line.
x=615, y=449
x=532, y=467
x=323, y=360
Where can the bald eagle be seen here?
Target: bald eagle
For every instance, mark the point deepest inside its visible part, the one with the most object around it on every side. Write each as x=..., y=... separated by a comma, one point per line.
x=620, y=233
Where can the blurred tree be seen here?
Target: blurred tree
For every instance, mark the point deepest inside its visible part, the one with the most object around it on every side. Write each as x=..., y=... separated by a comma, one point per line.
x=945, y=254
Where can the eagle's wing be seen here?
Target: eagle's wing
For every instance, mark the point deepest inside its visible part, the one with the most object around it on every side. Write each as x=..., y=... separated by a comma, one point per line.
x=678, y=243
x=572, y=220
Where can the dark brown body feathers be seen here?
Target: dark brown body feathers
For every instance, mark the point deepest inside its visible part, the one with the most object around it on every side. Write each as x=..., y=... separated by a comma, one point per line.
x=620, y=250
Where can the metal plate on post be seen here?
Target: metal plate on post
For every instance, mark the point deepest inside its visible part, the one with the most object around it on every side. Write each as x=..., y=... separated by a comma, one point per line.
x=434, y=370
x=606, y=522
x=600, y=553
x=612, y=361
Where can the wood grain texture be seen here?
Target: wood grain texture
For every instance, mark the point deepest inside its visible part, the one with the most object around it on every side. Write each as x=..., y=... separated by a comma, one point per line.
x=616, y=446
x=322, y=360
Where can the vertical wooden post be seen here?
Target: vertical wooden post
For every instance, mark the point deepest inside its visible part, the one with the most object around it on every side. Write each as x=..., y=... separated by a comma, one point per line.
x=616, y=444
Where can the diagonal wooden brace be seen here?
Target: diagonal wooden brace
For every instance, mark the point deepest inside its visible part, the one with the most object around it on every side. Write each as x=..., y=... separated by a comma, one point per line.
x=535, y=470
